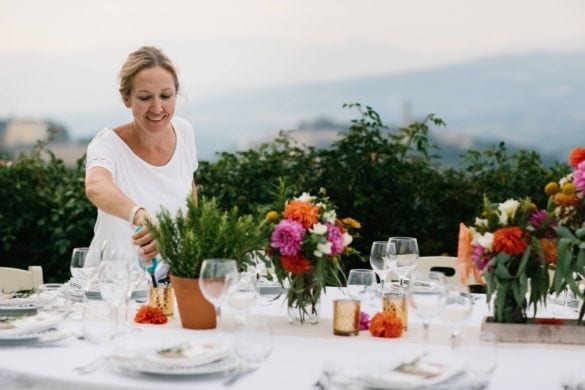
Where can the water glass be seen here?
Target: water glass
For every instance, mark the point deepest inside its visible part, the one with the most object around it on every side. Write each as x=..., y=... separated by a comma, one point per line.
x=253, y=341
x=242, y=296
x=361, y=284
x=96, y=324
x=481, y=359
x=456, y=312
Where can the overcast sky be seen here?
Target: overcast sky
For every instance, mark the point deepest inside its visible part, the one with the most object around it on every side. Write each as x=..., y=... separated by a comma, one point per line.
x=61, y=56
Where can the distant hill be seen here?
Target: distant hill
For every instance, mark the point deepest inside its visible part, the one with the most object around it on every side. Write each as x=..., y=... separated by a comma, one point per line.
x=534, y=101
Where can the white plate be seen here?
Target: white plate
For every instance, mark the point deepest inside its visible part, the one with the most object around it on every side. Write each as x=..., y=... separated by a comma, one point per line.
x=139, y=365
x=19, y=302
x=43, y=336
x=28, y=325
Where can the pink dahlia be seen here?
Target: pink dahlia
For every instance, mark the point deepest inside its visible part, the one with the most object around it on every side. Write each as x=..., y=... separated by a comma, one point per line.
x=579, y=177
x=364, y=321
x=287, y=237
x=335, y=237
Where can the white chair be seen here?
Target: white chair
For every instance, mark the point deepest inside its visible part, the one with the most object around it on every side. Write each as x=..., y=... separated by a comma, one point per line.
x=445, y=264
x=15, y=279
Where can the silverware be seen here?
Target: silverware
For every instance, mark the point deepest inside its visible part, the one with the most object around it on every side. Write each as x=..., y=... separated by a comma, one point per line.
x=91, y=366
x=238, y=375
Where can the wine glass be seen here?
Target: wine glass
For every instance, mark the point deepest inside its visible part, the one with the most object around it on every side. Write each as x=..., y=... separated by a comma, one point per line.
x=457, y=310
x=214, y=280
x=426, y=295
x=402, y=253
x=360, y=283
x=242, y=296
x=379, y=261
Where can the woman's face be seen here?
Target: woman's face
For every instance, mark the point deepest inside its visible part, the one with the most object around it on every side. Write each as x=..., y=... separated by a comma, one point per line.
x=152, y=99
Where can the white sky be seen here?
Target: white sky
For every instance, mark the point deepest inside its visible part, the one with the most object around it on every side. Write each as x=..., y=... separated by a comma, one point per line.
x=49, y=47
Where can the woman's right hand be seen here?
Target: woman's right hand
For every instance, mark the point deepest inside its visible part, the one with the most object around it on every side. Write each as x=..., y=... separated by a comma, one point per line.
x=143, y=238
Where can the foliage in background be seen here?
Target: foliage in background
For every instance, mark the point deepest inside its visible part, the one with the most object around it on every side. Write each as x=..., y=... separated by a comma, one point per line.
x=44, y=213
x=386, y=178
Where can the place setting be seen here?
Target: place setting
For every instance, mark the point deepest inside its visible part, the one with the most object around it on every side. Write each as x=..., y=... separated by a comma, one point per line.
x=40, y=328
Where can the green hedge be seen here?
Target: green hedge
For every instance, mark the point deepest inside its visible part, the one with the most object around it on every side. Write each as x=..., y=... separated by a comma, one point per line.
x=388, y=179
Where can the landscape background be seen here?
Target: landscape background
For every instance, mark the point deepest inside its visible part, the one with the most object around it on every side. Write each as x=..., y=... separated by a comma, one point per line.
x=494, y=72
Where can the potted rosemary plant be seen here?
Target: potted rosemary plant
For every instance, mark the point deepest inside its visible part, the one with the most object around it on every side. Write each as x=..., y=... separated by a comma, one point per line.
x=204, y=231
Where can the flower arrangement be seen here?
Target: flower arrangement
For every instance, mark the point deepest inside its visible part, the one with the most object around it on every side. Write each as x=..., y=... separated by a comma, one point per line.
x=567, y=204
x=307, y=240
x=513, y=245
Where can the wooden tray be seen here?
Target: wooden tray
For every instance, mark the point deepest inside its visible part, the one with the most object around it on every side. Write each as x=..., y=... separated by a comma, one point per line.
x=567, y=333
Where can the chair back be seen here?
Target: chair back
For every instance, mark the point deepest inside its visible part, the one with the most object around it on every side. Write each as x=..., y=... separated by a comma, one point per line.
x=15, y=279
x=444, y=264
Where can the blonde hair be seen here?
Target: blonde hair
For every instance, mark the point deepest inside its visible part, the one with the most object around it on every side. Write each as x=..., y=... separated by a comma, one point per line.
x=144, y=58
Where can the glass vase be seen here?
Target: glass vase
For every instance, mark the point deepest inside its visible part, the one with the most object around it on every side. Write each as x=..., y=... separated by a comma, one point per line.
x=304, y=300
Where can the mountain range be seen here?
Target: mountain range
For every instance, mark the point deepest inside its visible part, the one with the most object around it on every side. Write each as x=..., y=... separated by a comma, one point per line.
x=533, y=101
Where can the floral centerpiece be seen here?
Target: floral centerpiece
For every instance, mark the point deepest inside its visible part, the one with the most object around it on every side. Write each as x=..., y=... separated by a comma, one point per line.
x=513, y=245
x=307, y=240
x=567, y=204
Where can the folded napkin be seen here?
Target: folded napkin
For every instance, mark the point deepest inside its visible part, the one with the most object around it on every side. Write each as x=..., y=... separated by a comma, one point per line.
x=189, y=354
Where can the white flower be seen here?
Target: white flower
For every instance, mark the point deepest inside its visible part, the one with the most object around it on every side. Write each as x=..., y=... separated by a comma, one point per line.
x=566, y=179
x=322, y=249
x=306, y=197
x=319, y=228
x=481, y=222
x=508, y=210
x=486, y=240
x=347, y=239
x=330, y=216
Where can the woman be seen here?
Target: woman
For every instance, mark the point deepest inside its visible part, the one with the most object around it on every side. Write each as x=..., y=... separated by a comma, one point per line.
x=134, y=169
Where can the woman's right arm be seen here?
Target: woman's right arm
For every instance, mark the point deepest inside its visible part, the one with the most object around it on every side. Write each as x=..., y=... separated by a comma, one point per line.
x=105, y=195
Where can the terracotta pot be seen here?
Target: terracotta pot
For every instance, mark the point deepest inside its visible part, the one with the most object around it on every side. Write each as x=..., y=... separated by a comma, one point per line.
x=195, y=311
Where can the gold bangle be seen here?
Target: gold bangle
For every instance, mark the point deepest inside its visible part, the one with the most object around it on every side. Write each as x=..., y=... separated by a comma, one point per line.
x=132, y=215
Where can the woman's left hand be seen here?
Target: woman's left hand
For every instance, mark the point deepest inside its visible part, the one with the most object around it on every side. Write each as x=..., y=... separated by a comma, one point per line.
x=143, y=238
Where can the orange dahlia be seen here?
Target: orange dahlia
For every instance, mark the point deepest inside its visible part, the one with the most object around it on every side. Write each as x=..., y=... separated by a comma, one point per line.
x=296, y=265
x=549, y=247
x=386, y=325
x=510, y=240
x=576, y=156
x=303, y=212
x=150, y=315
x=564, y=200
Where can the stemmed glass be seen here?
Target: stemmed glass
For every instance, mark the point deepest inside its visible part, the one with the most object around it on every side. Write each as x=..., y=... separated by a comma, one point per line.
x=242, y=296
x=360, y=283
x=114, y=274
x=379, y=261
x=458, y=308
x=214, y=280
x=84, y=265
x=402, y=253
x=426, y=295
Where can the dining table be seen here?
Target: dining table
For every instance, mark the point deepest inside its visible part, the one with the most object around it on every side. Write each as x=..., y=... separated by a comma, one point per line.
x=300, y=354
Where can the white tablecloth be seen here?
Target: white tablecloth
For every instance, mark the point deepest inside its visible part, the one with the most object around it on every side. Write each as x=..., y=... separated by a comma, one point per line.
x=298, y=356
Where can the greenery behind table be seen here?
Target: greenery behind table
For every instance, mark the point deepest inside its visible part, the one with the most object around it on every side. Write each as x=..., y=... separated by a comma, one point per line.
x=388, y=178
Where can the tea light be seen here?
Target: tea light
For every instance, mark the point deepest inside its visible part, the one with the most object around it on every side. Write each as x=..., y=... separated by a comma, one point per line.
x=162, y=297
x=346, y=317
x=395, y=301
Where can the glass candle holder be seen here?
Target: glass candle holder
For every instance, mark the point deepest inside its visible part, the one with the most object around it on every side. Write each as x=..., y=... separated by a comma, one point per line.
x=163, y=298
x=346, y=317
x=395, y=302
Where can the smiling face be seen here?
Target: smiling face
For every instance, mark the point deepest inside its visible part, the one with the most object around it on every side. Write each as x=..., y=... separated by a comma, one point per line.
x=152, y=99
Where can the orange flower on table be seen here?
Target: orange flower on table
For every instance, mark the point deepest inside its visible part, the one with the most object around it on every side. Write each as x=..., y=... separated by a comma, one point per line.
x=150, y=315
x=549, y=247
x=305, y=213
x=386, y=325
x=510, y=240
x=296, y=265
